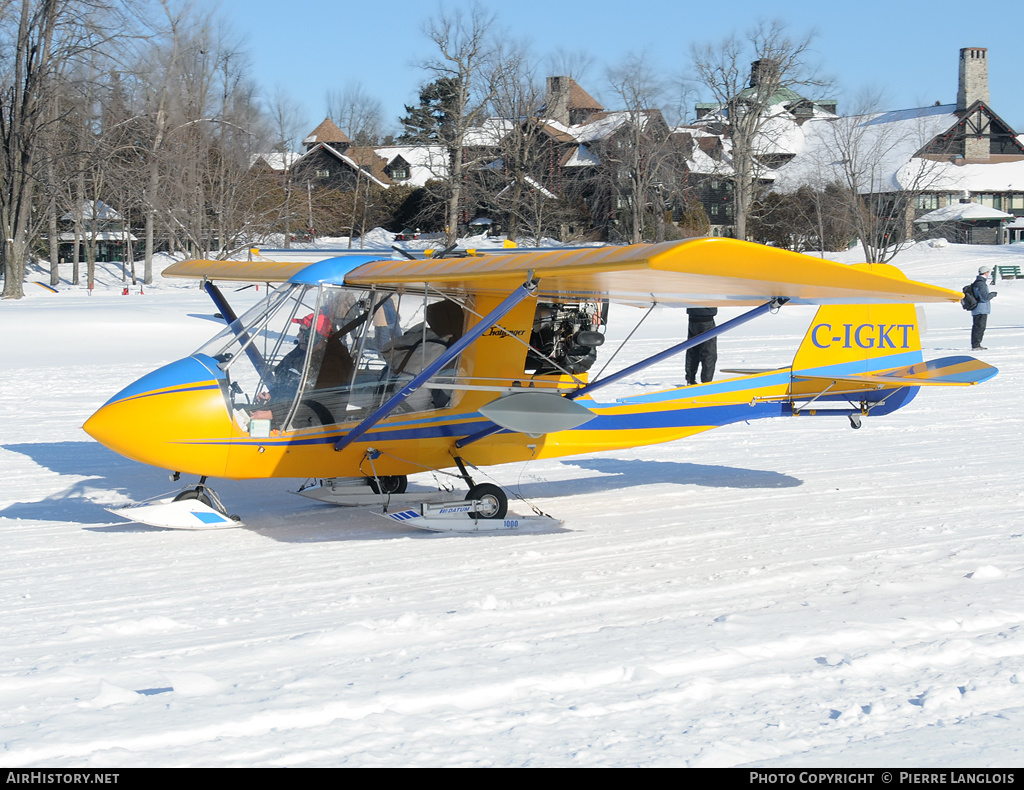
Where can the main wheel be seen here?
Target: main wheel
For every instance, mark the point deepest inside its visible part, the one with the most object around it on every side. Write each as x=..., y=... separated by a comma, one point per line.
x=493, y=502
x=389, y=484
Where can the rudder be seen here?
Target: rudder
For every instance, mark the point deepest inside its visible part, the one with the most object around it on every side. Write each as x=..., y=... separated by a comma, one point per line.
x=860, y=338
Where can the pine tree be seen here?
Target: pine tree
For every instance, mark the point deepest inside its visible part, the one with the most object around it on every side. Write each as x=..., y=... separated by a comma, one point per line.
x=430, y=120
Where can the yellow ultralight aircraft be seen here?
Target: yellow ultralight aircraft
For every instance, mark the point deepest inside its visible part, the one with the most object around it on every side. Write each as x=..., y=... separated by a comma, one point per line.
x=361, y=370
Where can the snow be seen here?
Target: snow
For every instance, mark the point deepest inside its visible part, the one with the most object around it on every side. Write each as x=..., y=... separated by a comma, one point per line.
x=784, y=593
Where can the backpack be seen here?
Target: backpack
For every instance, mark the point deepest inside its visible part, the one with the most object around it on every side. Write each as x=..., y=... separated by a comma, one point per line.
x=970, y=301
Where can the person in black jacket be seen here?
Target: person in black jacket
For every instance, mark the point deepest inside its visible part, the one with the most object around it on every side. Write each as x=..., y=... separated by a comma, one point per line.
x=704, y=356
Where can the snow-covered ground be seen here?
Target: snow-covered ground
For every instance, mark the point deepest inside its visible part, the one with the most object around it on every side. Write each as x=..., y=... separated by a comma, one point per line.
x=789, y=592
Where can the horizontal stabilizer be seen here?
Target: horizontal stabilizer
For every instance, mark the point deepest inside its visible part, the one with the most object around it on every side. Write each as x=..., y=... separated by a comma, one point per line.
x=945, y=372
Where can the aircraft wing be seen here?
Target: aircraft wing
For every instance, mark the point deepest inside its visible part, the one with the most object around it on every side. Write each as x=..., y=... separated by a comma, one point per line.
x=235, y=271
x=709, y=272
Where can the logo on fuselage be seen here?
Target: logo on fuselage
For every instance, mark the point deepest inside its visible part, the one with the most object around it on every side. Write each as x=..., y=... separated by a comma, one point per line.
x=497, y=332
x=862, y=335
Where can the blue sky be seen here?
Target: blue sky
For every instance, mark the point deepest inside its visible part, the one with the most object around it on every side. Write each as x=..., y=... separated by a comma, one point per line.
x=909, y=51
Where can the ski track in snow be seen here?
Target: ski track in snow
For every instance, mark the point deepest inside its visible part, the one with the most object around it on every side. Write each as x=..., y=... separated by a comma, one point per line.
x=779, y=593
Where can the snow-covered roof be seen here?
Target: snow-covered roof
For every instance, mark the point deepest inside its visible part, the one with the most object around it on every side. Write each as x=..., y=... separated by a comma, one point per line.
x=784, y=102
x=104, y=211
x=879, y=147
x=276, y=161
x=488, y=134
x=700, y=162
x=956, y=212
x=582, y=157
x=975, y=177
x=425, y=162
x=557, y=129
x=607, y=125
x=883, y=147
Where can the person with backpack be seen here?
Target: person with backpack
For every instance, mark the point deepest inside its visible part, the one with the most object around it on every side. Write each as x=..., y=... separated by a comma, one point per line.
x=983, y=308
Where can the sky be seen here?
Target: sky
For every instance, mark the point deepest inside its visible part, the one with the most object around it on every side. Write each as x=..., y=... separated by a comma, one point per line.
x=908, y=51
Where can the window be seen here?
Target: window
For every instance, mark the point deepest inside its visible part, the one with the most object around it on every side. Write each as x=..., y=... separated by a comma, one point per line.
x=399, y=173
x=1016, y=200
x=927, y=202
x=323, y=174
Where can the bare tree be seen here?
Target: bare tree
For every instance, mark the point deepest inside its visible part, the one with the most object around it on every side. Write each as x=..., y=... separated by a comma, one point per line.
x=575, y=64
x=524, y=193
x=466, y=58
x=882, y=178
x=203, y=126
x=32, y=48
x=285, y=121
x=357, y=113
x=871, y=167
x=160, y=70
x=639, y=155
x=746, y=110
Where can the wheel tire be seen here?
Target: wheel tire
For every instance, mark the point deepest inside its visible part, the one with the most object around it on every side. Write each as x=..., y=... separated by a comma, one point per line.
x=195, y=493
x=493, y=501
x=389, y=484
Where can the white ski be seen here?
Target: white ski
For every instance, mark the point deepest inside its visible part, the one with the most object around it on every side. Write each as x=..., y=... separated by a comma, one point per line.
x=454, y=517
x=181, y=514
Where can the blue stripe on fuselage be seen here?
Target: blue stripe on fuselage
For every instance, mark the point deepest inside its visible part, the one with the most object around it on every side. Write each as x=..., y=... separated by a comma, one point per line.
x=198, y=369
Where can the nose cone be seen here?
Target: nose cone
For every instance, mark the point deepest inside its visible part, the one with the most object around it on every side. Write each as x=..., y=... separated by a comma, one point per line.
x=175, y=417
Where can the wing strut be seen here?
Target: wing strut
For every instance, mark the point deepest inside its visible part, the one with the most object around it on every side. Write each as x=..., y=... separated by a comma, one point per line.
x=225, y=309
x=774, y=304
x=220, y=302
x=485, y=323
x=750, y=315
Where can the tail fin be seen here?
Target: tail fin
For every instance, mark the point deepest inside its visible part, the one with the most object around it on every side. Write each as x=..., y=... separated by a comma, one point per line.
x=861, y=338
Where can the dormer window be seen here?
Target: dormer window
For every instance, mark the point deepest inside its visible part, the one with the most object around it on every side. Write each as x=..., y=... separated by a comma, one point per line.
x=399, y=173
x=323, y=174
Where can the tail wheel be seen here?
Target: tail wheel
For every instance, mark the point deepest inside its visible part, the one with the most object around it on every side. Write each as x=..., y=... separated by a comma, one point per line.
x=389, y=484
x=493, y=502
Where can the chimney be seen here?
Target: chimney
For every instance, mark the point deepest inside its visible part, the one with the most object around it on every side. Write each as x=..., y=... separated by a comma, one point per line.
x=556, y=99
x=764, y=71
x=973, y=77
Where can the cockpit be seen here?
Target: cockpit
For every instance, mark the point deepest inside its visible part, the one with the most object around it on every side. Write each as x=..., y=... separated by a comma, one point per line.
x=316, y=355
